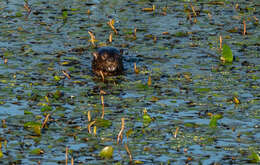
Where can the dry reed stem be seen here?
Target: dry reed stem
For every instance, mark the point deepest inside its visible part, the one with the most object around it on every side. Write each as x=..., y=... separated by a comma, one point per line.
x=66, y=155
x=103, y=106
x=111, y=24
x=244, y=31
x=236, y=100
x=89, y=126
x=135, y=32
x=129, y=153
x=149, y=9
x=5, y=61
x=176, y=132
x=193, y=10
x=136, y=69
x=120, y=134
x=236, y=7
x=72, y=161
x=195, y=20
x=210, y=16
x=88, y=12
x=189, y=16
x=110, y=37
x=92, y=38
x=45, y=121
x=103, y=112
x=220, y=42
x=66, y=74
x=95, y=130
x=89, y=116
x=102, y=100
x=47, y=99
x=27, y=7
x=149, y=82
x=154, y=39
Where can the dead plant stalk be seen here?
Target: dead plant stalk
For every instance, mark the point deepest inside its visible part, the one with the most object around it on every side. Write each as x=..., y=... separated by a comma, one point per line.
x=120, y=134
x=45, y=121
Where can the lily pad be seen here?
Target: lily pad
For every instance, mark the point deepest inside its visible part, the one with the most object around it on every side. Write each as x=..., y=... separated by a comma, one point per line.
x=107, y=152
x=36, y=151
x=34, y=127
x=214, y=120
x=227, y=55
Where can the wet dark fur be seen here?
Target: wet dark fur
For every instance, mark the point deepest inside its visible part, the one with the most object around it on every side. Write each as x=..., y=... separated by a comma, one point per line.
x=108, y=61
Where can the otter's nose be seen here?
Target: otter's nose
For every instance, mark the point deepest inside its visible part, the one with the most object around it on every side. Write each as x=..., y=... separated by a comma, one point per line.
x=111, y=68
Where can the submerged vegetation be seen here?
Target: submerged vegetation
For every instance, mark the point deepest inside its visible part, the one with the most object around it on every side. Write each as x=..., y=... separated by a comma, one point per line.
x=189, y=94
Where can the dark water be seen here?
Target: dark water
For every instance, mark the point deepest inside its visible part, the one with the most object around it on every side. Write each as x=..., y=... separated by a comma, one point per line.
x=189, y=82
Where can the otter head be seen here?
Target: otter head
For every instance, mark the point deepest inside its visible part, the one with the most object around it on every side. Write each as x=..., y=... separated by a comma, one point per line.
x=108, y=60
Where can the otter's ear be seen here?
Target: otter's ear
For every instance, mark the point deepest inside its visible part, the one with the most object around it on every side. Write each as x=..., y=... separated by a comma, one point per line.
x=95, y=54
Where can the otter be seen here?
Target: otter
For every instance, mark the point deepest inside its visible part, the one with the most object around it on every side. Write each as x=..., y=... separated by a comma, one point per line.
x=107, y=61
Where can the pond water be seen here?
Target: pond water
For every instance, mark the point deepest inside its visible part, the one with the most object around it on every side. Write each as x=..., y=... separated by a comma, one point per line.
x=214, y=105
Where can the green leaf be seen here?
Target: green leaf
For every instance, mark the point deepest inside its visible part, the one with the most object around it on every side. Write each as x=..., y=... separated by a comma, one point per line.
x=1, y=154
x=146, y=118
x=57, y=94
x=36, y=151
x=7, y=54
x=129, y=132
x=142, y=86
x=26, y=112
x=56, y=78
x=254, y=157
x=33, y=127
x=103, y=123
x=46, y=108
x=106, y=152
x=214, y=120
x=64, y=14
x=227, y=55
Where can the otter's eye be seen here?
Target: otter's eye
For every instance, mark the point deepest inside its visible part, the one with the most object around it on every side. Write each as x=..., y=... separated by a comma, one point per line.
x=111, y=59
x=104, y=57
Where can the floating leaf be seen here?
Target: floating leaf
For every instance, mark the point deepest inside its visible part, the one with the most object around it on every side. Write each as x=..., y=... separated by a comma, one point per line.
x=154, y=99
x=181, y=34
x=7, y=54
x=214, y=120
x=57, y=78
x=18, y=14
x=146, y=118
x=142, y=86
x=129, y=132
x=26, y=112
x=36, y=151
x=33, y=127
x=64, y=15
x=138, y=162
x=46, y=108
x=103, y=123
x=202, y=90
x=107, y=152
x=254, y=157
x=1, y=154
x=57, y=94
x=227, y=55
